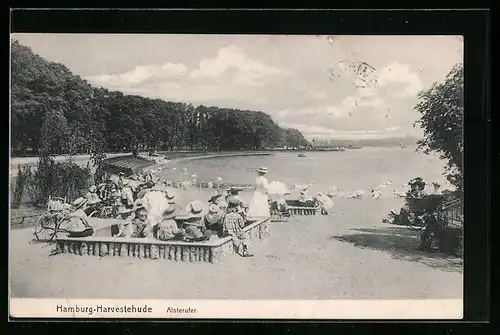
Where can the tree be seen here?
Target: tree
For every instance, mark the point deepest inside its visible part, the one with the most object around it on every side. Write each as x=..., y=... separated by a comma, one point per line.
x=442, y=109
x=57, y=111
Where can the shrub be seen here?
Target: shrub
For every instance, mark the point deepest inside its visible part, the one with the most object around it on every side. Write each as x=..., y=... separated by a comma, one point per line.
x=65, y=179
x=17, y=189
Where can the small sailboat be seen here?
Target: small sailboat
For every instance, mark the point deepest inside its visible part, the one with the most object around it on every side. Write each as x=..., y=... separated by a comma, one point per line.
x=402, y=145
x=301, y=155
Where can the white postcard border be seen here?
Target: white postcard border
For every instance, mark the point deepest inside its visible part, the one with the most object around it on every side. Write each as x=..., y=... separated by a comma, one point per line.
x=237, y=309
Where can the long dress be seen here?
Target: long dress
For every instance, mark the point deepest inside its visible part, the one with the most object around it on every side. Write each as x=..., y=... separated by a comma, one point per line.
x=259, y=205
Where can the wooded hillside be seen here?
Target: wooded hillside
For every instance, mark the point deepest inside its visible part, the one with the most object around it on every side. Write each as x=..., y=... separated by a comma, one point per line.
x=58, y=112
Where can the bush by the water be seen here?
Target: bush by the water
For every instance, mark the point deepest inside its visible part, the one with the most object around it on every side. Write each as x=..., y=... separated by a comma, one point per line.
x=57, y=179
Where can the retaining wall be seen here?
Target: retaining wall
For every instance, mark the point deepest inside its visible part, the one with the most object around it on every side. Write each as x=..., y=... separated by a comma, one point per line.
x=143, y=248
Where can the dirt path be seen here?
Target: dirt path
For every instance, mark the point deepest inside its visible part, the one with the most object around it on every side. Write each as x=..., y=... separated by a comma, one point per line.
x=346, y=255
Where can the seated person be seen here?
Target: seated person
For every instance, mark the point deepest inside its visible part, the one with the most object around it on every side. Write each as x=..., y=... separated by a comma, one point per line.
x=436, y=188
x=79, y=225
x=306, y=201
x=127, y=196
x=417, y=187
x=114, y=195
x=304, y=198
x=219, y=200
x=324, y=202
x=91, y=196
x=281, y=204
x=137, y=227
x=233, y=194
x=213, y=219
x=194, y=224
x=232, y=225
x=120, y=180
x=167, y=228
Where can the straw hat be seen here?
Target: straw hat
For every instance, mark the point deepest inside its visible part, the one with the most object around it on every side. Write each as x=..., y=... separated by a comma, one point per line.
x=262, y=169
x=235, y=189
x=78, y=203
x=214, y=214
x=121, y=173
x=170, y=213
x=214, y=198
x=124, y=210
x=92, y=188
x=170, y=194
x=125, y=182
x=195, y=209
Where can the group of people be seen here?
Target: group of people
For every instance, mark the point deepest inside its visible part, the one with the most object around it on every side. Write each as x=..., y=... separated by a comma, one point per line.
x=417, y=190
x=223, y=215
x=151, y=210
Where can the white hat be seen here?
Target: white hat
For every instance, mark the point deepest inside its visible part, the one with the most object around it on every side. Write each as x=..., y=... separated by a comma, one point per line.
x=194, y=209
x=170, y=194
x=79, y=202
x=262, y=169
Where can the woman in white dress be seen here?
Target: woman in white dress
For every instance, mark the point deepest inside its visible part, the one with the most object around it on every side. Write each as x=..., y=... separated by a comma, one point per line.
x=259, y=205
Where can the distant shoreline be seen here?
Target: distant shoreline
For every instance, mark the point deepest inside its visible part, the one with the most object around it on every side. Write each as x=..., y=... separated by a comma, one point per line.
x=173, y=156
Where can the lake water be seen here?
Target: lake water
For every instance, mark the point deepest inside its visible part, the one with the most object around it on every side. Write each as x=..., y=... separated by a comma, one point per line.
x=349, y=170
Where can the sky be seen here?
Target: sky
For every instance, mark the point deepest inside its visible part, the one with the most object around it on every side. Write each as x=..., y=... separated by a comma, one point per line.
x=313, y=83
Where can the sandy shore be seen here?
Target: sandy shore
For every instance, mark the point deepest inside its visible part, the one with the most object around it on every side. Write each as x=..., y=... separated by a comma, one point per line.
x=348, y=254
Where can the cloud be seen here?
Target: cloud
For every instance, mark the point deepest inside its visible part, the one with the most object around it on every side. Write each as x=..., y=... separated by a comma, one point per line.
x=398, y=80
x=139, y=75
x=292, y=81
x=393, y=128
x=233, y=61
x=313, y=131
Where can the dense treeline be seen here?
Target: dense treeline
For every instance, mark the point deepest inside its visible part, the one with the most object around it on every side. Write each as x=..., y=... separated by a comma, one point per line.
x=55, y=111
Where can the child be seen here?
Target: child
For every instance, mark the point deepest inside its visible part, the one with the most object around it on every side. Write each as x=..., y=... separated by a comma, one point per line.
x=79, y=224
x=167, y=228
x=232, y=225
x=136, y=227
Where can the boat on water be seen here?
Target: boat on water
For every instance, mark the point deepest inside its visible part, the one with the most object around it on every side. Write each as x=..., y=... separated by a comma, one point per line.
x=401, y=145
x=301, y=155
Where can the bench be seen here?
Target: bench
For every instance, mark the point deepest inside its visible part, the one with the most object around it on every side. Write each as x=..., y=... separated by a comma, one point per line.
x=212, y=251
